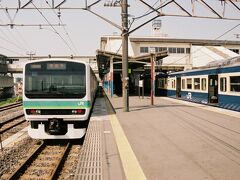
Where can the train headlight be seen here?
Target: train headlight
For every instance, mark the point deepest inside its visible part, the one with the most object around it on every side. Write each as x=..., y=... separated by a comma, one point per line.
x=78, y=111
x=33, y=111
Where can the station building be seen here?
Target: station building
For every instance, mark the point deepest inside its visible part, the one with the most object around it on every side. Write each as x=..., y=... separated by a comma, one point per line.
x=6, y=79
x=172, y=55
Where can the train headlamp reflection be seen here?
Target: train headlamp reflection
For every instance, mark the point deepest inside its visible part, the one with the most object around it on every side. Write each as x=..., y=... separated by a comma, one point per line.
x=33, y=111
x=78, y=111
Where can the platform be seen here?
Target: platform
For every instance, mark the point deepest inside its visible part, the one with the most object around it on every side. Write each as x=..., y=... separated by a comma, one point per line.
x=172, y=139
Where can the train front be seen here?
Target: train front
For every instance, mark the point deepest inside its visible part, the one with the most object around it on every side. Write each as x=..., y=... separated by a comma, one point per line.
x=55, y=99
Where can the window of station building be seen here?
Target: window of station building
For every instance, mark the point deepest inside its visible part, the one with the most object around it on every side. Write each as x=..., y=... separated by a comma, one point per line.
x=175, y=50
x=172, y=50
x=188, y=50
x=189, y=83
x=180, y=50
x=196, y=83
x=235, y=50
x=183, y=84
x=235, y=83
x=204, y=84
x=160, y=49
x=144, y=49
x=223, y=84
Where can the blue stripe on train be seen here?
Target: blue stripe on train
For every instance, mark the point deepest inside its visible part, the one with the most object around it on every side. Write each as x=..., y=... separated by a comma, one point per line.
x=190, y=96
x=224, y=101
x=229, y=102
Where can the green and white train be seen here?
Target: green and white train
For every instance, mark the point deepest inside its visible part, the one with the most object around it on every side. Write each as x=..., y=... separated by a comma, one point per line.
x=58, y=95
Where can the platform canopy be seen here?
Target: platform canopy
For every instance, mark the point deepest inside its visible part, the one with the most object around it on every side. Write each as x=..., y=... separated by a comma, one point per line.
x=134, y=63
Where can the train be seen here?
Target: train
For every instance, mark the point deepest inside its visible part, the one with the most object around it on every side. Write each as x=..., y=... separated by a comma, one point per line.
x=58, y=96
x=216, y=86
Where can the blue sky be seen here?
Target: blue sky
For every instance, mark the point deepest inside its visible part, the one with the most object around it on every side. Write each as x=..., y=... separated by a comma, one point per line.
x=85, y=29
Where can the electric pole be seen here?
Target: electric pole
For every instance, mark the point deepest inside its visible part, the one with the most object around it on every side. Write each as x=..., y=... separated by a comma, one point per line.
x=125, y=78
x=31, y=54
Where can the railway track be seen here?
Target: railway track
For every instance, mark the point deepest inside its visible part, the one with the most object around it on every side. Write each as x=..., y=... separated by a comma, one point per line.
x=45, y=162
x=10, y=106
x=9, y=124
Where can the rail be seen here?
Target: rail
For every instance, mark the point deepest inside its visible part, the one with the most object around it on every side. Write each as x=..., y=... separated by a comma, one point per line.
x=48, y=168
x=10, y=106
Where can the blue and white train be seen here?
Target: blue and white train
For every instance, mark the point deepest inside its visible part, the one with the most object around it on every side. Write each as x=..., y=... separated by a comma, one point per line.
x=58, y=95
x=219, y=86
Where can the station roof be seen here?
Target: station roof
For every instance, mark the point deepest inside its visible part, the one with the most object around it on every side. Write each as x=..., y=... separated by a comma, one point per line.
x=176, y=40
x=103, y=60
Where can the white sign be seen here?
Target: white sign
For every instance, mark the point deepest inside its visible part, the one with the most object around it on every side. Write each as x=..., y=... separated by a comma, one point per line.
x=140, y=84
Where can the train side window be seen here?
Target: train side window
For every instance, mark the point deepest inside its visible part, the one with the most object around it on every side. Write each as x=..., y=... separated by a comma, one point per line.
x=189, y=83
x=161, y=83
x=183, y=83
x=204, y=84
x=235, y=83
x=173, y=83
x=223, y=84
x=196, y=83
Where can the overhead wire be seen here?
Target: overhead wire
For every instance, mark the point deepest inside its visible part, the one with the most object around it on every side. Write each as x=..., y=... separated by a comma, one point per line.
x=65, y=30
x=202, y=47
x=11, y=51
x=22, y=38
x=20, y=45
x=55, y=31
x=147, y=13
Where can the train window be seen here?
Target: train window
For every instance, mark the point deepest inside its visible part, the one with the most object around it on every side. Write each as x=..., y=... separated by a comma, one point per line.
x=56, y=80
x=35, y=66
x=56, y=66
x=235, y=83
x=173, y=83
x=196, y=83
x=223, y=84
x=204, y=87
x=189, y=83
x=183, y=84
x=161, y=83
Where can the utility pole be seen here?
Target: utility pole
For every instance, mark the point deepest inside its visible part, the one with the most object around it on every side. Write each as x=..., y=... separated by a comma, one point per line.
x=125, y=78
x=31, y=54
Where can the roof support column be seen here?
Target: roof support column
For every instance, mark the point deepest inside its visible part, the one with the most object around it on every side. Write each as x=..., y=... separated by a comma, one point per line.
x=111, y=76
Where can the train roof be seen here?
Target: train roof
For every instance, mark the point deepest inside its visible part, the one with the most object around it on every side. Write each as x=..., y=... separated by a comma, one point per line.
x=208, y=71
x=56, y=59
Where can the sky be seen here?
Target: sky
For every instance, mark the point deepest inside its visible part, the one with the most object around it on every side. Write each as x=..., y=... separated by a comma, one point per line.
x=82, y=30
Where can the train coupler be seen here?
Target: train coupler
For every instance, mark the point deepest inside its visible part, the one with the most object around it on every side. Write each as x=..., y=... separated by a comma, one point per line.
x=56, y=127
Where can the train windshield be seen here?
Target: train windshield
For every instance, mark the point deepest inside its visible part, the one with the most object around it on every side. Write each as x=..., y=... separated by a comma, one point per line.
x=55, y=79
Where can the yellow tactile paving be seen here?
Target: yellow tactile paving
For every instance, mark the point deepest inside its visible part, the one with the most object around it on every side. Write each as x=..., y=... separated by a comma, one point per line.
x=130, y=163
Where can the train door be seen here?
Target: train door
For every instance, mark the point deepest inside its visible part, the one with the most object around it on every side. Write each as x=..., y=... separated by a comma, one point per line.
x=178, y=87
x=213, y=89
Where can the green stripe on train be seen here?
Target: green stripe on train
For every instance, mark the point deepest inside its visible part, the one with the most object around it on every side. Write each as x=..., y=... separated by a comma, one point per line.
x=56, y=104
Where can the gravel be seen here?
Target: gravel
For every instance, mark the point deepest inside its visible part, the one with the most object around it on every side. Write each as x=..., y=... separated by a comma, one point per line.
x=9, y=157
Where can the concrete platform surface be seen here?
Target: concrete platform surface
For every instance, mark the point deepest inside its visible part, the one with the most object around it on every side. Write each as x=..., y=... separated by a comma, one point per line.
x=174, y=140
